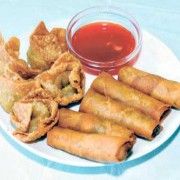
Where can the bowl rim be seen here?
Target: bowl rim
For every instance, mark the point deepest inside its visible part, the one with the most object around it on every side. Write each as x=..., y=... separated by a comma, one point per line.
x=103, y=9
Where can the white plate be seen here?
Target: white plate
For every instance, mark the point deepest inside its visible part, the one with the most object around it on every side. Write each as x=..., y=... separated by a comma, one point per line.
x=155, y=58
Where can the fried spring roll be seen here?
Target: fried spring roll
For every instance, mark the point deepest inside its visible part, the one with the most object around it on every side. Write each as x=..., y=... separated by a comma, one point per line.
x=108, y=86
x=162, y=89
x=96, y=147
x=106, y=107
x=90, y=123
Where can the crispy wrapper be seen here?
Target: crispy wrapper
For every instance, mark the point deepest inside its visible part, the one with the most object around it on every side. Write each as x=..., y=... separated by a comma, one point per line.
x=90, y=123
x=20, y=68
x=12, y=89
x=96, y=147
x=34, y=115
x=108, y=86
x=162, y=89
x=13, y=75
x=106, y=107
x=13, y=47
x=46, y=47
x=64, y=80
x=5, y=58
x=10, y=62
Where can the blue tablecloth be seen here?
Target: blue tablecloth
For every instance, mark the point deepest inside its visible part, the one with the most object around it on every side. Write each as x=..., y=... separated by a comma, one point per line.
x=161, y=18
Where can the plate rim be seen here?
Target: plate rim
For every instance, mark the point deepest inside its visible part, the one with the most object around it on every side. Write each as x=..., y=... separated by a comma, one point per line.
x=96, y=165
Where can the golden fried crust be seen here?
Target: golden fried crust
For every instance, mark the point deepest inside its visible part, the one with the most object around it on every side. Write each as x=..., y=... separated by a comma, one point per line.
x=34, y=116
x=64, y=80
x=41, y=29
x=1, y=40
x=5, y=58
x=89, y=123
x=92, y=146
x=12, y=47
x=118, y=112
x=15, y=75
x=38, y=94
x=13, y=89
x=129, y=96
x=34, y=110
x=60, y=33
x=46, y=47
x=21, y=68
x=10, y=62
x=167, y=91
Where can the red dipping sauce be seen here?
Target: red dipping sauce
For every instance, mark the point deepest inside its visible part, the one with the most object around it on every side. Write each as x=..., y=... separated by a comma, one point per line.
x=103, y=42
x=104, y=38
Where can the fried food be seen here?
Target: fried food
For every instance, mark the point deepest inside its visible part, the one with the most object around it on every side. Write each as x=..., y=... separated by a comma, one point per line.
x=13, y=47
x=165, y=90
x=90, y=123
x=46, y=46
x=104, y=106
x=10, y=62
x=20, y=67
x=130, y=96
x=97, y=147
x=34, y=115
x=13, y=89
x=15, y=75
x=5, y=58
x=64, y=80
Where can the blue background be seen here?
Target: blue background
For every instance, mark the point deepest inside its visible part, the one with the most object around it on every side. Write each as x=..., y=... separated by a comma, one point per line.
x=161, y=18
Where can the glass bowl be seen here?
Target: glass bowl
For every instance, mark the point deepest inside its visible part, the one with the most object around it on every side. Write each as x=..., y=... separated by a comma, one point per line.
x=105, y=14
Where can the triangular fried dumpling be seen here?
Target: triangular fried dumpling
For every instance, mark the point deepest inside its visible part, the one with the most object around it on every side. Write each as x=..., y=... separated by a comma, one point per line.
x=46, y=47
x=13, y=89
x=64, y=80
x=23, y=111
x=13, y=47
x=41, y=115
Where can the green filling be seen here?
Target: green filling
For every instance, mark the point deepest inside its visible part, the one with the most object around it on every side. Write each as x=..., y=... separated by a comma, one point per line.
x=40, y=111
x=68, y=91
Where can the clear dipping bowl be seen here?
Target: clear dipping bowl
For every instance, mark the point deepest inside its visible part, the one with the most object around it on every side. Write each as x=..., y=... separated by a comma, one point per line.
x=105, y=14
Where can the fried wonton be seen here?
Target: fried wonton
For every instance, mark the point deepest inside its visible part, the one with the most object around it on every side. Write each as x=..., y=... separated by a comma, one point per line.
x=46, y=46
x=64, y=80
x=10, y=62
x=21, y=68
x=5, y=58
x=12, y=47
x=14, y=73
x=34, y=115
x=13, y=88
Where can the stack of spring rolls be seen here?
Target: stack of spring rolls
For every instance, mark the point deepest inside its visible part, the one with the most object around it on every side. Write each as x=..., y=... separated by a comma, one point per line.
x=91, y=137
x=126, y=106
x=112, y=111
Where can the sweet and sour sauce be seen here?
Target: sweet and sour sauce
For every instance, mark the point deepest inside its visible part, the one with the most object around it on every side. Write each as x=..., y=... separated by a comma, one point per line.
x=103, y=41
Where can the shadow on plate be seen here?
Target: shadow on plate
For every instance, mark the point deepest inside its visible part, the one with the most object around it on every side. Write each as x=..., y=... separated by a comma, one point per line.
x=112, y=169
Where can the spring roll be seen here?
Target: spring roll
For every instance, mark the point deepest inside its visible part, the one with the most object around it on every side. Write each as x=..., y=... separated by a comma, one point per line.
x=95, y=147
x=108, y=86
x=90, y=123
x=160, y=88
x=131, y=118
